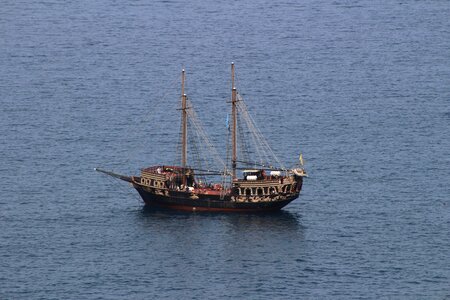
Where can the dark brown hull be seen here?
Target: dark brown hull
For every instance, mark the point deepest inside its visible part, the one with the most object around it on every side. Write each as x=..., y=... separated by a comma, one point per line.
x=211, y=203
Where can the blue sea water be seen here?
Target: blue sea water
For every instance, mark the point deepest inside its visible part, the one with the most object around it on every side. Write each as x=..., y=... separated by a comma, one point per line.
x=361, y=88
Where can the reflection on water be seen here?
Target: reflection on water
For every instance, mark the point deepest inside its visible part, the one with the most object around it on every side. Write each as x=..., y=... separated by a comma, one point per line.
x=248, y=246
x=279, y=221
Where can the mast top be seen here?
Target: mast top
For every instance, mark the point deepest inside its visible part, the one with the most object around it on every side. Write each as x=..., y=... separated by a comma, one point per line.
x=232, y=76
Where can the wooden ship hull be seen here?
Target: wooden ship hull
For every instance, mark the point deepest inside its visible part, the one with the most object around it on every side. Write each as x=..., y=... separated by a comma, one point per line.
x=181, y=187
x=208, y=203
x=161, y=186
x=214, y=200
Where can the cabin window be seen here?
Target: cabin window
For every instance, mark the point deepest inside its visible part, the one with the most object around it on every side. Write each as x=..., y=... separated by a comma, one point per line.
x=260, y=192
x=248, y=192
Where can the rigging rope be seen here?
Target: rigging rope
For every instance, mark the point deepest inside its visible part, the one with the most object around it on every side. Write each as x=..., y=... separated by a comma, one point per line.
x=202, y=134
x=262, y=147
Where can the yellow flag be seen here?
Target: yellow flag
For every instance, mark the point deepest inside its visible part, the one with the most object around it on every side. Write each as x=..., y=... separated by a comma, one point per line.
x=301, y=159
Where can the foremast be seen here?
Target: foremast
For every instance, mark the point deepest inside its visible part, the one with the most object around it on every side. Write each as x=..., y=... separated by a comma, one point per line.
x=234, y=123
x=183, y=123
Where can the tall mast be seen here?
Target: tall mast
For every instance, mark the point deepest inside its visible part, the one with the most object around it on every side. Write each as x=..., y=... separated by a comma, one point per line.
x=234, y=120
x=184, y=123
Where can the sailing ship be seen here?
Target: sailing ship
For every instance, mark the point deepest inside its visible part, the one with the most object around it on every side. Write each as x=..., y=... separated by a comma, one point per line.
x=245, y=185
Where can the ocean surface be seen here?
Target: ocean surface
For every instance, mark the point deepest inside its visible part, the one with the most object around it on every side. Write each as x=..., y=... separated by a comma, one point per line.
x=361, y=88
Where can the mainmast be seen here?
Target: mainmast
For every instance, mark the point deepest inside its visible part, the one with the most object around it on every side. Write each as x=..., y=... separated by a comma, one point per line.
x=234, y=120
x=183, y=122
